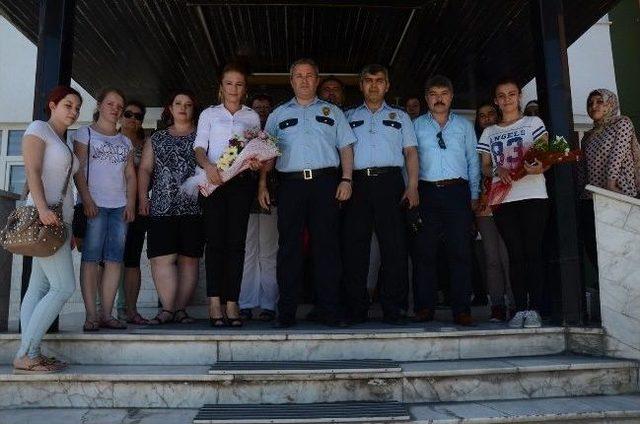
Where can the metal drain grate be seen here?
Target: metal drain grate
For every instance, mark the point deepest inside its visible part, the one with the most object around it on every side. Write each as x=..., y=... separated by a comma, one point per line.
x=305, y=367
x=342, y=412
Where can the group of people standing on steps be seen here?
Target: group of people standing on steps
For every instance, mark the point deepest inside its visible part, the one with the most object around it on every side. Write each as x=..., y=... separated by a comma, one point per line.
x=341, y=179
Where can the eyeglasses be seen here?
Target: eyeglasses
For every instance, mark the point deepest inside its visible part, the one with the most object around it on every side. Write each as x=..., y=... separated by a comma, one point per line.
x=441, y=140
x=138, y=116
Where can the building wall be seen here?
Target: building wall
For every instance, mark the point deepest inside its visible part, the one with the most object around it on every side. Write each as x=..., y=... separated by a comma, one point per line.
x=590, y=66
x=625, y=39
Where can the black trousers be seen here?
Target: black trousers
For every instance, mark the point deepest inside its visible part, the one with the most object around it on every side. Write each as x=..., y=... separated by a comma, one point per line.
x=446, y=213
x=226, y=214
x=310, y=202
x=375, y=206
x=522, y=227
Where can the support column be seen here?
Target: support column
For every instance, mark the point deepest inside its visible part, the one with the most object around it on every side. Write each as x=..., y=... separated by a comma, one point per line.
x=53, y=67
x=554, y=96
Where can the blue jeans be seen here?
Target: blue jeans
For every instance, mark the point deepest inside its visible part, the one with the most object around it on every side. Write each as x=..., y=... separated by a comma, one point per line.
x=105, y=237
x=51, y=284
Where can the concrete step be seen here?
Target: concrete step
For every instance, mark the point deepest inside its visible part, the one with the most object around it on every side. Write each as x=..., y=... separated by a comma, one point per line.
x=157, y=346
x=573, y=410
x=162, y=386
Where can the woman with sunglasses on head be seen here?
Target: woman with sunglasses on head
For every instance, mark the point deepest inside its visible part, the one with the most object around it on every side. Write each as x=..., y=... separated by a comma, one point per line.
x=227, y=209
x=107, y=185
x=175, y=238
x=49, y=162
x=131, y=127
x=522, y=216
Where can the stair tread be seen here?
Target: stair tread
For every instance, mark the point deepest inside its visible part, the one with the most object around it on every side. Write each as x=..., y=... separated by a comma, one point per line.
x=303, y=413
x=409, y=369
x=500, y=411
x=509, y=411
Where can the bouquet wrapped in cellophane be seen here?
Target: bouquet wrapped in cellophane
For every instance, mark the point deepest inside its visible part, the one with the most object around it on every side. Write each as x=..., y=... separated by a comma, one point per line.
x=546, y=152
x=252, y=145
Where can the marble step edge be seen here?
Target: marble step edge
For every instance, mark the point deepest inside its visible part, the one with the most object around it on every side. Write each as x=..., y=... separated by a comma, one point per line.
x=279, y=335
x=199, y=373
x=583, y=409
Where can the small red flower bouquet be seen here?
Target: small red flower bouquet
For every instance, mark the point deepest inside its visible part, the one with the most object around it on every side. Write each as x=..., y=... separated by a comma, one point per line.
x=546, y=152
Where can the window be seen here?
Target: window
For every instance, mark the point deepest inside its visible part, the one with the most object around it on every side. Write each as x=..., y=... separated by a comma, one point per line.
x=17, y=178
x=70, y=135
x=14, y=143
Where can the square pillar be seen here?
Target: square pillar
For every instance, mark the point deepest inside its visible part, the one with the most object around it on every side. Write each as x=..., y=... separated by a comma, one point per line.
x=53, y=68
x=554, y=97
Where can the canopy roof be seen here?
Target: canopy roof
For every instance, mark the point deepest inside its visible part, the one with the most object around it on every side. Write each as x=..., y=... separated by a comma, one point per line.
x=149, y=47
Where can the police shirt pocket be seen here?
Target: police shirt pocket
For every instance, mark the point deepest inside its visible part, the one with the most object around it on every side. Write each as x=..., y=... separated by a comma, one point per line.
x=356, y=124
x=393, y=124
x=325, y=120
x=288, y=123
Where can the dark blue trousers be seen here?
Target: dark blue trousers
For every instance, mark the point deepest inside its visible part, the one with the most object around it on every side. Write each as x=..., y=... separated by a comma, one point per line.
x=310, y=202
x=446, y=212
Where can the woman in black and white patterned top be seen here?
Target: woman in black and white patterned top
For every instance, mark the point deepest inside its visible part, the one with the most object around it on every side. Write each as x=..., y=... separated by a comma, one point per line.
x=175, y=237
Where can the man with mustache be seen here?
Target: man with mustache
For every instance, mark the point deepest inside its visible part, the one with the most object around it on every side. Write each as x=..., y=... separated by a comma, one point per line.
x=315, y=140
x=448, y=187
x=385, y=143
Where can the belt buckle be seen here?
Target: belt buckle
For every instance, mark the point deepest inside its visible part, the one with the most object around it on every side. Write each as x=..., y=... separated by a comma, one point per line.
x=368, y=172
x=307, y=174
x=371, y=172
x=440, y=183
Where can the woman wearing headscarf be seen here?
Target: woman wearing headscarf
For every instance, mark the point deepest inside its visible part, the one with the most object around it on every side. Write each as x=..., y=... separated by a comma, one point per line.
x=611, y=158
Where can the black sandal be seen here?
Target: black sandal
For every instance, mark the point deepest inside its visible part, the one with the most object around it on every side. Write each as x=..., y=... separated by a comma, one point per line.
x=182, y=317
x=217, y=322
x=159, y=320
x=234, y=322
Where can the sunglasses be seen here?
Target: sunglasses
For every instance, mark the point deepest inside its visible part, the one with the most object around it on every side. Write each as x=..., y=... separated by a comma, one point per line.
x=138, y=116
x=441, y=143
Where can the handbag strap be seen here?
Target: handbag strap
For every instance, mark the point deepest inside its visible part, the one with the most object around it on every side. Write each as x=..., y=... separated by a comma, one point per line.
x=88, y=156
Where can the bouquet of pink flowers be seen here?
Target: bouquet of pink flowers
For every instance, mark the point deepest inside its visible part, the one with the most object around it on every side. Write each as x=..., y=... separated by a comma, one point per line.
x=252, y=145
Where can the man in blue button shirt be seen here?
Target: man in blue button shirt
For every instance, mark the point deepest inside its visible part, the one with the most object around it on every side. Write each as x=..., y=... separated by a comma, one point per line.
x=385, y=143
x=315, y=140
x=449, y=182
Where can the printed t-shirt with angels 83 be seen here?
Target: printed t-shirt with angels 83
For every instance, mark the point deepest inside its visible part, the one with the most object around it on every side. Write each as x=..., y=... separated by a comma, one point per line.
x=507, y=146
x=107, y=161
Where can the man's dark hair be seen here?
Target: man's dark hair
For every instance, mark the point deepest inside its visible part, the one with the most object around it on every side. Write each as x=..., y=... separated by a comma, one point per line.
x=262, y=97
x=438, y=81
x=373, y=69
x=331, y=78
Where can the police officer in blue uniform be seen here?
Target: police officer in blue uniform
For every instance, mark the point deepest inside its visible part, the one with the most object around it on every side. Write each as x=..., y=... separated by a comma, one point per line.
x=385, y=143
x=314, y=171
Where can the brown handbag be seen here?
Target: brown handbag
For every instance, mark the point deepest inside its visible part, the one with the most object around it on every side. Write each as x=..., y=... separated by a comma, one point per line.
x=26, y=235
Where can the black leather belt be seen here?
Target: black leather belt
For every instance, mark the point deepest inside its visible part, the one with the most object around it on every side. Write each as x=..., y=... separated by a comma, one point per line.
x=308, y=174
x=445, y=183
x=374, y=172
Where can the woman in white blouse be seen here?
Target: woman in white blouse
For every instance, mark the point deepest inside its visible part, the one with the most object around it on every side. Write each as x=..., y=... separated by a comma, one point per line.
x=226, y=210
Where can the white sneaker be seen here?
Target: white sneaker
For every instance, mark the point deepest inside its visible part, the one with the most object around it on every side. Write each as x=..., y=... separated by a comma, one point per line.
x=532, y=319
x=518, y=320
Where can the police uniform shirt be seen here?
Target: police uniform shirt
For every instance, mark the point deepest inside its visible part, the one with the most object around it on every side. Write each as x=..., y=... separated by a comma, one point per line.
x=309, y=136
x=381, y=136
x=216, y=126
